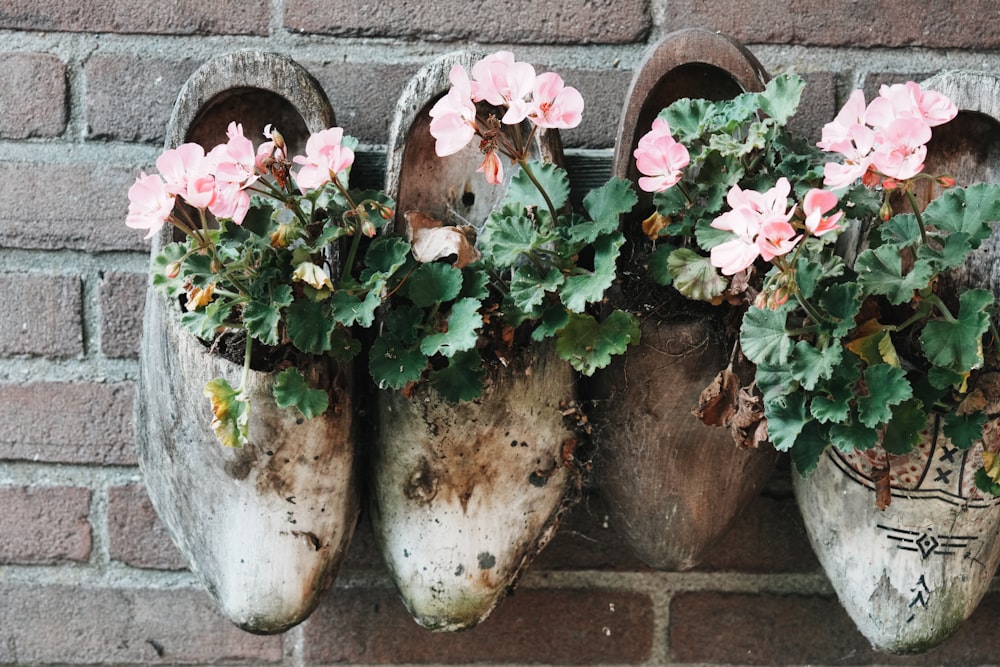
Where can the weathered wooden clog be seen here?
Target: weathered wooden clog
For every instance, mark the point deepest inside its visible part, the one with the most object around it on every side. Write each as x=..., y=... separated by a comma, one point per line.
x=464, y=495
x=265, y=526
x=911, y=574
x=673, y=484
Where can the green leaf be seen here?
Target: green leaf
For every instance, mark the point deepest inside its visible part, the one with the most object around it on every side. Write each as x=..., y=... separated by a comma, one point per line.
x=842, y=302
x=688, y=118
x=231, y=412
x=832, y=402
x=902, y=433
x=763, y=337
x=610, y=201
x=810, y=365
x=964, y=430
x=464, y=322
x=902, y=230
x=957, y=345
x=553, y=180
x=262, y=320
x=984, y=483
x=809, y=447
x=172, y=253
x=461, y=379
x=694, y=276
x=309, y=325
x=206, y=321
x=528, y=288
x=786, y=416
x=258, y=218
x=887, y=386
x=880, y=271
x=475, y=282
x=968, y=210
x=433, y=283
x=292, y=390
x=780, y=97
x=853, y=436
x=393, y=364
x=951, y=255
x=588, y=344
x=658, y=264
x=348, y=309
x=506, y=239
x=579, y=290
x=551, y=321
x=385, y=256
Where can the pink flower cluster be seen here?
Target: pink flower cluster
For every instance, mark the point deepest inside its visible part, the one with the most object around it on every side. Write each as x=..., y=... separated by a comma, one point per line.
x=660, y=158
x=498, y=79
x=218, y=181
x=886, y=138
x=762, y=224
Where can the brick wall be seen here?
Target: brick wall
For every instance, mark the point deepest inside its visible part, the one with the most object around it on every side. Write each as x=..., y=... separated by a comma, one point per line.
x=88, y=575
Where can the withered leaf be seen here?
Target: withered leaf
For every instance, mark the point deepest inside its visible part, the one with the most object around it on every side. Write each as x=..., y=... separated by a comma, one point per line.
x=431, y=240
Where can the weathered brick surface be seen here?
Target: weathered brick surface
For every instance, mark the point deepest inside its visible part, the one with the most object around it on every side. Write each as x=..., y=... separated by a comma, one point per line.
x=44, y=524
x=136, y=536
x=32, y=95
x=43, y=316
x=67, y=422
x=566, y=627
x=88, y=213
x=767, y=629
x=122, y=298
x=79, y=625
x=181, y=17
x=604, y=98
x=970, y=24
x=125, y=107
x=560, y=22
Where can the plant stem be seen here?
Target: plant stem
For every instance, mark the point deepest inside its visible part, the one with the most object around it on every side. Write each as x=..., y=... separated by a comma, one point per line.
x=545, y=195
x=916, y=212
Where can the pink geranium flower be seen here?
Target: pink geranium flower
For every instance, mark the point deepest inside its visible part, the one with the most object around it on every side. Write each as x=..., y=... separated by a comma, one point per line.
x=838, y=134
x=741, y=251
x=504, y=82
x=555, y=104
x=325, y=157
x=776, y=238
x=150, y=204
x=492, y=168
x=660, y=158
x=902, y=148
x=815, y=205
x=453, y=117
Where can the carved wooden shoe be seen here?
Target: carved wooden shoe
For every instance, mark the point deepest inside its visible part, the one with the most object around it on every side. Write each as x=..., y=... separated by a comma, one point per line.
x=464, y=495
x=673, y=484
x=266, y=526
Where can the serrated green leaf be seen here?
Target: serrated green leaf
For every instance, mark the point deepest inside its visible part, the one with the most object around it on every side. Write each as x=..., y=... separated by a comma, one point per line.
x=763, y=337
x=205, y=322
x=262, y=320
x=475, y=282
x=292, y=391
x=786, y=416
x=610, y=201
x=984, y=483
x=951, y=255
x=694, y=276
x=528, y=288
x=880, y=271
x=901, y=230
x=588, y=344
x=902, y=433
x=552, y=179
x=832, y=403
x=842, y=302
x=550, y=322
x=810, y=365
x=887, y=386
x=461, y=379
x=464, y=322
x=582, y=289
x=957, y=345
x=780, y=97
x=968, y=210
x=964, y=430
x=385, y=256
x=657, y=265
x=809, y=447
x=688, y=118
x=506, y=239
x=171, y=253
x=309, y=325
x=853, y=436
x=348, y=309
x=257, y=219
x=230, y=413
x=433, y=283
x=392, y=364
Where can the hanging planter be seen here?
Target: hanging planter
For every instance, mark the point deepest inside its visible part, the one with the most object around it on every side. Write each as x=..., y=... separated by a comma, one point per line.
x=658, y=465
x=265, y=522
x=909, y=574
x=474, y=457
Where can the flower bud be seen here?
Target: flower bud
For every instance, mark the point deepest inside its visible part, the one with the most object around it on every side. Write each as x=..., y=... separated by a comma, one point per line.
x=368, y=227
x=173, y=270
x=946, y=181
x=890, y=184
x=885, y=212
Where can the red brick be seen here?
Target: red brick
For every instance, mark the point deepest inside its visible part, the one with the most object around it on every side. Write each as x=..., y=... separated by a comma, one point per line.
x=44, y=524
x=80, y=625
x=817, y=107
x=32, y=96
x=763, y=629
x=136, y=536
x=43, y=317
x=585, y=541
x=566, y=627
x=970, y=24
x=876, y=80
x=67, y=422
x=604, y=96
x=89, y=213
x=123, y=300
x=560, y=22
x=181, y=17
x=124, y=107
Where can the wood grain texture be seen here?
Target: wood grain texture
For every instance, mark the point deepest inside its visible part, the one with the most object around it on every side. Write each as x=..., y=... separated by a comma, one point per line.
x=910, y=575
x=673, y=484
x=265, y=526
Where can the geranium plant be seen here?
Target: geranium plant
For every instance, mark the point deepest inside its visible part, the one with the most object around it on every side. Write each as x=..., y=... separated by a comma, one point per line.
x=533, y=270
x=256, y=267
x=856, y=334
